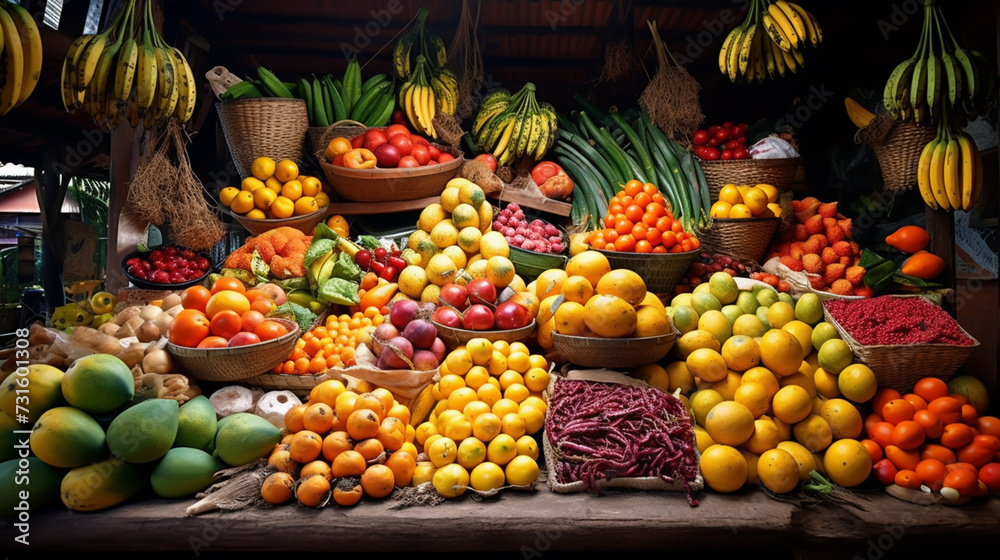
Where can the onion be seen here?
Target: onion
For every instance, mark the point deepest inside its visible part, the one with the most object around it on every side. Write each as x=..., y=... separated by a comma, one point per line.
x=425, y=360
x=438, y=349
x=402, y=312
x=383, y=332
x=420, y=333
x=398, y=354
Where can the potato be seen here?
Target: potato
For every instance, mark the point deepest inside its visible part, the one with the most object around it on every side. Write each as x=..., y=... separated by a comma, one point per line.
x=109, y=328
x=148, y=332
x=171, y=301
x=126, y=314
x=150, y=312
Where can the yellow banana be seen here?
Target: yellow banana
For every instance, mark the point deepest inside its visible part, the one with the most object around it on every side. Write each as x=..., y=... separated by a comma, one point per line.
x=795, y=19
x=782, y=20
x=12, y=64
x=809, y=21
x=776, y=32
x=938, y=175
x=32, y=49
x=746, y=47
x=89, y=57
x=924, y=176
x=146, y=77
x=505, y=138
x=968, y=174
x=125, y=73
x=733, y=66
x=952, y=174
x=188, y=91
x=727, y=44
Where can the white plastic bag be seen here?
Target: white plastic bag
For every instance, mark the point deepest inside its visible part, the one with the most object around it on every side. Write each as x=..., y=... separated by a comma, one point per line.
x=772, y=147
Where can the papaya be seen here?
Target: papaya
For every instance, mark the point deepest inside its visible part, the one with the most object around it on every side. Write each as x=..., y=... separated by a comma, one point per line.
x=909, y=239
x=44, y=391
x=197, y=424
x=39, y=480
x=923, y=265
x=184, y=471
x=144, y=432
x=244, y=438
x=67, y=437
x=98, y=383
x=101, y=485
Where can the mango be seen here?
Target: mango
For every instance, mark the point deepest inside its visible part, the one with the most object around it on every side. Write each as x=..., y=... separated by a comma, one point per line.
x=197, y=424
x=101, y=485
x=67, y=437
x=98, y=383
x=144, y=432
x=44, y=391
x=243, y=438
x=184, y=471
x=39, y=480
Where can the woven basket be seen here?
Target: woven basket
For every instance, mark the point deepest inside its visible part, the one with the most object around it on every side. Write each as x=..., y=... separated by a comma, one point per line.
x=301, y=385
x=660, y=271
x=613, y=353
x=899, y=152
x=320, y=136
x=237, y=363
x=304, y=223
x=900, y=366
x=744, y=239
x=777, y=172
x=385, y=185
x=266, y=126
x=529, y=264
x=453, y=338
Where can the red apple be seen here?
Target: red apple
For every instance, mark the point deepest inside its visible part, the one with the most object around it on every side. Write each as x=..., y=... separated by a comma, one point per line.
x=481, y=290
x=358, y=141
x=421, y=153
x=434, y=151
x=387, y=155
x=394, y=129
x=374, y=138
x=477, y=317
x=454, y=295
x=407, y=161
x=447, y=316
x=402, y=142
x=510, y=315
x=243, y=339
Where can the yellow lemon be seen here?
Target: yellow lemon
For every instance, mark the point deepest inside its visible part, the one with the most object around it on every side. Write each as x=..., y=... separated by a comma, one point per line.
x=707, y=364
x=323, y=200
x=262, y=168
x=311, y=186
x=521, y=471
x=720, y=209
x=623, y=283
x=471, y=452
x=526, y=445
x=486, y=426
x=442, y=451
x=770, y=190
x=451, y=480
x=305, y=205
x=857, y=383
x=251, y=184
x=791, y=404
x=844, y=419
x=256, y=214
x=805, y=459
x=286, y=170
x=780, y=313
x=730, y=194
x=765, y=436
x=740, y=352
x=764, y=377
x=592, y=265
x=753, y=396
x=847, y=462
x=780, y=352
x=227, y=195
x=263, y=198
x=756, y=200
x=501, y=449
x=242, y=202
x=292, y=190
x=740, y=211
x=813, y=432
x=486, y=476
x=274, y=184
x=449, y=199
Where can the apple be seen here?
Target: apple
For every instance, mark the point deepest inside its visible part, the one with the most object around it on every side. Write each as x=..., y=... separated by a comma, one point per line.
x=434, y=151
x=447, y=316
x=406, y=162
x=402, y=142
x=243, y=338
x=358, y=141
x=394, y=129
x=482, y=291
x=421, y=153
x=477, y=317
x=510, y=315
x=387, y=155
x=454, y=295
x=274, y=291
x=489, y=160
x=419, y=140
x=445, y=157
x=374, y=138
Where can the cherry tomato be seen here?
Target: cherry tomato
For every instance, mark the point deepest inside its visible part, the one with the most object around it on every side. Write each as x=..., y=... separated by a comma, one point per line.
x=727, y=124
x=363, y=258
x=741, y=153
x=726, y=155
x=885, y=472
x=908, y=435
x=701, y=137
x=908, y=479
x=711, y=154
x=932, y=473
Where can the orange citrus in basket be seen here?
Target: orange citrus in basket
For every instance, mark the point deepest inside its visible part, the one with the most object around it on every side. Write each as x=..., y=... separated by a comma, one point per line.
x=282, y=207
x=286, y=170
x=262, y=168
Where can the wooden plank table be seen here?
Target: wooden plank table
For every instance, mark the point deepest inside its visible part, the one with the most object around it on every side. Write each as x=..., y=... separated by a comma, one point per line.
x=527, y=523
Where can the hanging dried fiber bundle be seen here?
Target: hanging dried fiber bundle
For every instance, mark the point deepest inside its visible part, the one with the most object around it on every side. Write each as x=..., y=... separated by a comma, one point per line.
x=671, y=98
x=165, y=190
x=620, y=58
x=466, y=61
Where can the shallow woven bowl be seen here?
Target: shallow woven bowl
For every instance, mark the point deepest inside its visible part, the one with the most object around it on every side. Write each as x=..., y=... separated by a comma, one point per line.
x=529, y=264
x=237, y=363
x=304, y=223
x=148, y=285
x=660, y=271
x=613, y=353
x=301, y=385
x=384, y=185
x=454, y=338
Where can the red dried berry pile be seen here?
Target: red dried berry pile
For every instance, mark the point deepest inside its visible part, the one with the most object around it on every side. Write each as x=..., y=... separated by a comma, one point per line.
x=887, y=320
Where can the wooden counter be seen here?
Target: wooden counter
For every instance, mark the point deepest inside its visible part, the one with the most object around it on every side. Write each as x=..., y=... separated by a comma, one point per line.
x=529, y=523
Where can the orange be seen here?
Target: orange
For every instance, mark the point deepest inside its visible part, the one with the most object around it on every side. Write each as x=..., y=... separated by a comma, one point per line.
x=263, y=198
x=385, y=397
x=347, y=493
x=292, y=190
x=319, y=467
x=281, y=460
x=327, y=392
x=195, y=297
x=623, y=283
x=344, y=405
x=311, y=186
x=373, y=402
x=293, y=418
x=336, y=443
x=305, y=446
x=318, y=417
x=348, y=463
x=269, y=330
x=227, y=195
x=282, y=207
x=591, y=265
x=898, y=410
x=227, y=299
x=369, y=448
x=402, y=464
x=231, y=284
x=339, y=224
x=213, y=342
x=242, y=203
x=262, y=168
x=930, y=388
x=306, y=205
x=313, y=491
x=378, y=481
x=277, y=488
x=391, y=433
x=362, y=424
x=188, y=328
x=286, y=170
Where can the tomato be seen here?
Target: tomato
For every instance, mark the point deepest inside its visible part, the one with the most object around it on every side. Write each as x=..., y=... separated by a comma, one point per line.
x=989, y=474
x=711, y=154
x=357, y=141
x=741, y=153
x=269, y=330
x=477, y=318
x=969, y=414
x=251, y=319
x=226, y=323
x=625, y=243
x=213, y=342
x=195, y=297
x=723, y=134
x=434, y=151
x=976, y=454
x=930, y=388
x=874, y=449
x=964, y=482
x=956, y=435
x=726, y=155
x=908, y=479
x=948, y=409
x=407, y=162
x=226, y=283
x=402, y=143
x=544, y=171
x=188, y=328
x=932, y=473
x=634, y=213
x=932, y=425
x=885, y=472
x=939, y=452
x=882, y=396
x=445, y=157
x=902, y=458
x=898, y=410
x=916, y=400
x=489, y=160
x=881, y=432
x=395, y=129
x=989, y=425
x=908, y=435
x=421, y=153
x=989, y=441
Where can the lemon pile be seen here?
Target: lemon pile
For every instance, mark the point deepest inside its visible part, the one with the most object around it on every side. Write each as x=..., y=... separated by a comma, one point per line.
x=745, y=201
x=276, y=190
x=455, y=243
x=775, y=390
x=490, y=404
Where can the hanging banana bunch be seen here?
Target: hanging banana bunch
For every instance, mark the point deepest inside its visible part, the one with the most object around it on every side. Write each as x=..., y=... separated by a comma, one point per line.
x=950, y=170
x=940, y=76
x=769, y=42
x=419, y=43
x=511, y=126
x=20, y=55
x=125, y=73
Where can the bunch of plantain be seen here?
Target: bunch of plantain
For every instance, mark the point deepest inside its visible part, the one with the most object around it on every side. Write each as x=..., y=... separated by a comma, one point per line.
x=511, y=126
x=769, y=42
x=940, y=76
x=950, y=170
x=420, y=60
x=129, y=74
x=20, y=55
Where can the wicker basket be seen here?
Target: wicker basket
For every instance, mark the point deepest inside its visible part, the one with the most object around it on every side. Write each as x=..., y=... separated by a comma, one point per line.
x=529, y=264
x=745, y=239
x=385, y=185
x=304, y=223
x=778, y=172
x=267, y=126
x=900, y=366
x=453, y=338
x=238, y=363
x=660, y=271
x=320, y=136
x=301, y=385
x=613, y=353
x=899, y=152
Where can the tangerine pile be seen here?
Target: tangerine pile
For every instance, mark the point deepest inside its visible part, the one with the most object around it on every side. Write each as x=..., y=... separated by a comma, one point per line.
x=226, y=315
x=746, y=201
x=639, y=221
x=330, y=345
x=343, y=445
x=489, y=406
x=276, y=190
